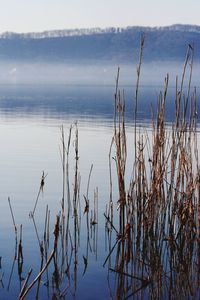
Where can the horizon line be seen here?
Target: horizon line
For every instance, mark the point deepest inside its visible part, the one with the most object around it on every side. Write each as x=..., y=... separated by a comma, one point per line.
x=98, y=28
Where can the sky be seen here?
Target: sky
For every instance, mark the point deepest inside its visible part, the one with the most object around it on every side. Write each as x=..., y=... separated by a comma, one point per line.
x=40, y=15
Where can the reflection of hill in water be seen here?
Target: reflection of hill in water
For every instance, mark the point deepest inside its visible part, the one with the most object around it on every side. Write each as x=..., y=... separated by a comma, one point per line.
x=79, y=102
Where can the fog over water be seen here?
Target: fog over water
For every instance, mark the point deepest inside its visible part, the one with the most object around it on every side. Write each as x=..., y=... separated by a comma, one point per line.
x=95, y=73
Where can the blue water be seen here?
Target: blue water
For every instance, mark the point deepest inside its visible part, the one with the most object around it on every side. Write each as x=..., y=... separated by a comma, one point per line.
x=30, y=122
x=61, y=102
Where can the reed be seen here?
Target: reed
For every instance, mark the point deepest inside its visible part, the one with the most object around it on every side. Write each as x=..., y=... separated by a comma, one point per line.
x=157, y=243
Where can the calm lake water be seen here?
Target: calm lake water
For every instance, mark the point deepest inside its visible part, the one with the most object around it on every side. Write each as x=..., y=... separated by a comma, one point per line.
x=30, y=132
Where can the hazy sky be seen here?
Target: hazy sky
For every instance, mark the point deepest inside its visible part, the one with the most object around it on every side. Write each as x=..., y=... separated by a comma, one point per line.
x=39, y=15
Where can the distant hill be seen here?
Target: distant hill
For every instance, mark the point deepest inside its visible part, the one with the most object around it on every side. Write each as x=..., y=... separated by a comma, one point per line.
x=113, y=44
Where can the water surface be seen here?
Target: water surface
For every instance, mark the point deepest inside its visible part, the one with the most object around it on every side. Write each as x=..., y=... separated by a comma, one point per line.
x=31, y=117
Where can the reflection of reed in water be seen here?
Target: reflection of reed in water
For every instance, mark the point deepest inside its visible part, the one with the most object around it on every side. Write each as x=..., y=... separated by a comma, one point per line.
x=59, y=267
x=156, y=253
